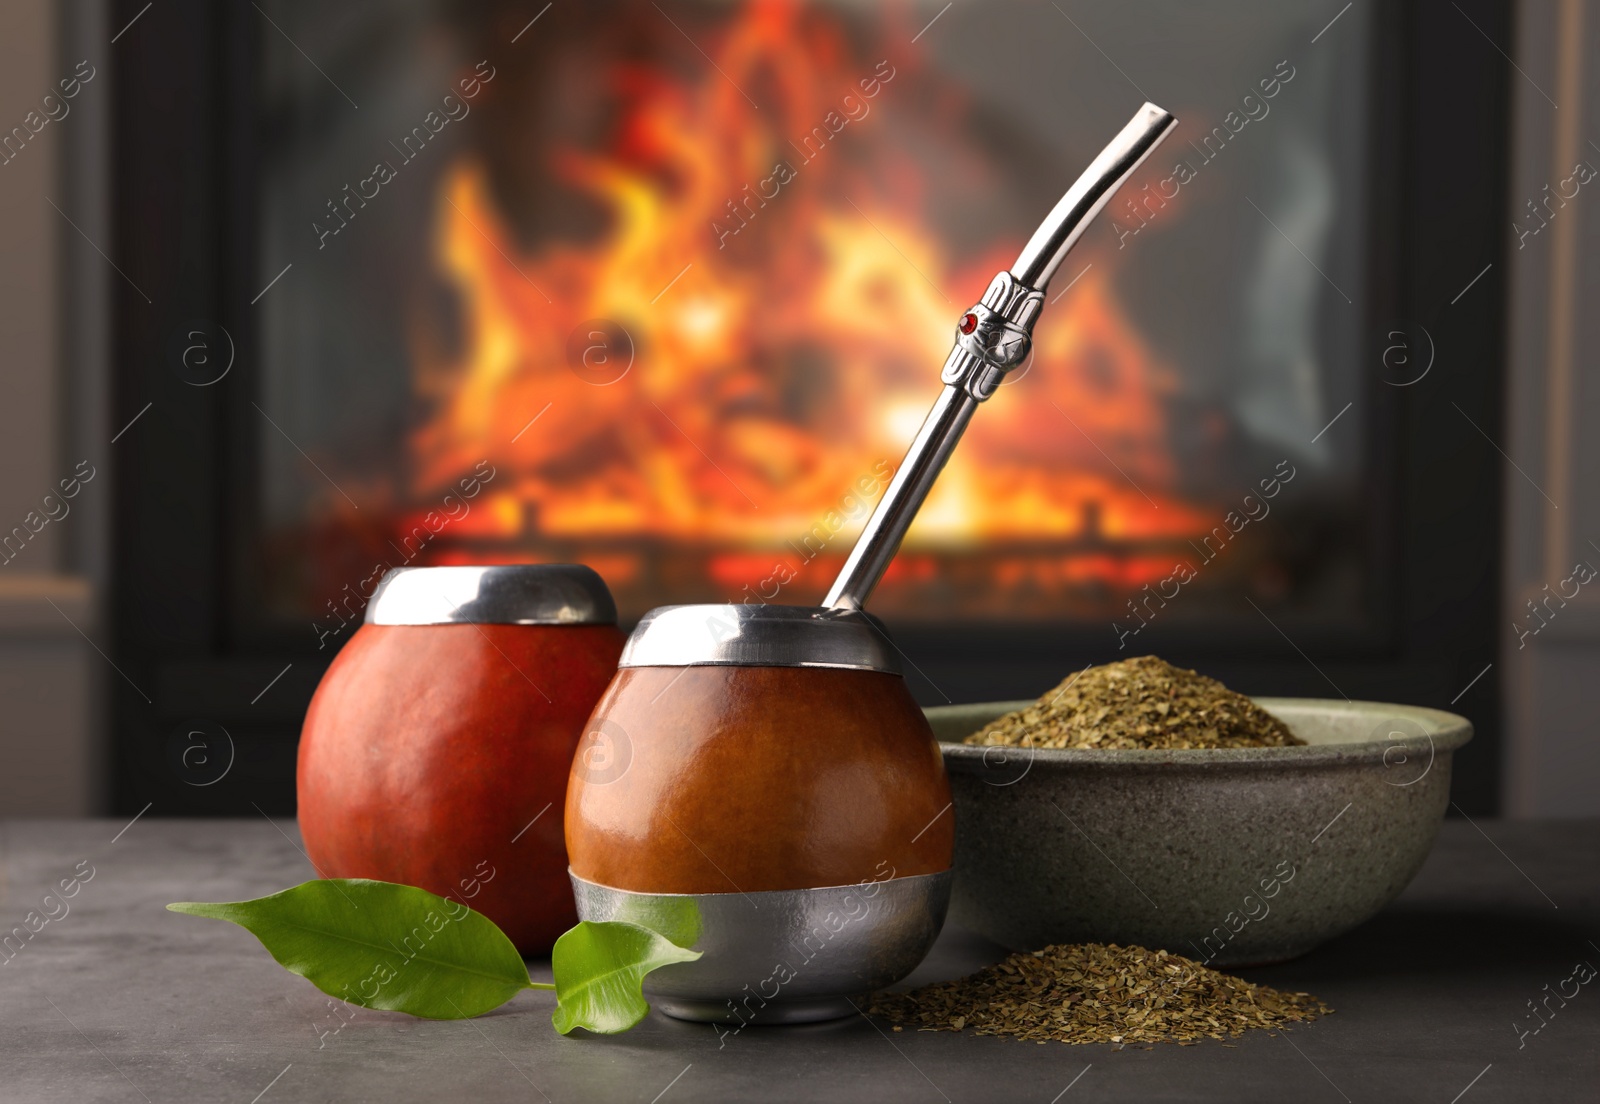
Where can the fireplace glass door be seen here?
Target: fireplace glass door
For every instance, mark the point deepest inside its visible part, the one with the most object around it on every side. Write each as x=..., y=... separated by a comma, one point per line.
x=665, y=289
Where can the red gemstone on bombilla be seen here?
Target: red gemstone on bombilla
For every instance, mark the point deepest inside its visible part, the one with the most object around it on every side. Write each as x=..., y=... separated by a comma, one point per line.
x=969, y=323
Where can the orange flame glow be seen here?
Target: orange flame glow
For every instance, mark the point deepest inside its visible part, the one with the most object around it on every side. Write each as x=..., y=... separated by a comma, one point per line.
x=773, y=371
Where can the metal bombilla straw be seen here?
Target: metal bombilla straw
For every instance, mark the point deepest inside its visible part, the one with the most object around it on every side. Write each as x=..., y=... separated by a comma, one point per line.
x=991, y=339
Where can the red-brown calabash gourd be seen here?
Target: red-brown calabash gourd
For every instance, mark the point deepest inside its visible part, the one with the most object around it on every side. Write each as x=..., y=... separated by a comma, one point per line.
x=724, y=779
x=436, y=752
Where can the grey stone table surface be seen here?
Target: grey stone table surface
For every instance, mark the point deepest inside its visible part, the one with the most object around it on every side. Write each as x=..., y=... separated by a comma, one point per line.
x=116, y=999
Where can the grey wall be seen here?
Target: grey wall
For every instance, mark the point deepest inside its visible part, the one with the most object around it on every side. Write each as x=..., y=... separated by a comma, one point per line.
x=48, y=756
x=1553, y=507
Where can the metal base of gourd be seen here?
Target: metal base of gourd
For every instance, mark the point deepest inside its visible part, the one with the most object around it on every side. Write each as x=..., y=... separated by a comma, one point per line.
x=782, y=956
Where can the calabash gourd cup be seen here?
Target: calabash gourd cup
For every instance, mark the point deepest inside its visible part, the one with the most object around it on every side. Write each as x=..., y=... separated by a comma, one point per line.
x=436, y=750
x=757, y=783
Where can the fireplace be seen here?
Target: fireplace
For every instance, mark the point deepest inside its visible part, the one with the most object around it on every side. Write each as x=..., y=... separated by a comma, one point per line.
x=664, y=289
x=690, y=328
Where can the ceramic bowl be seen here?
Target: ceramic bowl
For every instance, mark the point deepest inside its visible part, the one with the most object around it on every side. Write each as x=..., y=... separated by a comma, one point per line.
x=1231, y=856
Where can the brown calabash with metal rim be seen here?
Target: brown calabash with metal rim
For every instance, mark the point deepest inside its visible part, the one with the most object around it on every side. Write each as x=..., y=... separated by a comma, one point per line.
x=724, y=779
x=437, y=748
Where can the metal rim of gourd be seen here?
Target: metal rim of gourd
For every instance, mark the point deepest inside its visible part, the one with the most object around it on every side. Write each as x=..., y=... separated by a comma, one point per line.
x=729, y=635
x=497, y=594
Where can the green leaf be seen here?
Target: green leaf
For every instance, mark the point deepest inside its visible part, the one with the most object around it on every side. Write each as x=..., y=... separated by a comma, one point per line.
x=600, y=970
x=382, y=945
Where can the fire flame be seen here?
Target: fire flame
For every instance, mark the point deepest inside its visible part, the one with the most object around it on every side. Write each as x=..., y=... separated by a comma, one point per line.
x=771, y=372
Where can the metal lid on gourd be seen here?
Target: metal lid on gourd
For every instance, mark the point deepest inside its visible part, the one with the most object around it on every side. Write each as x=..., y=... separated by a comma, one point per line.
x=498, y=594
x=729, y=635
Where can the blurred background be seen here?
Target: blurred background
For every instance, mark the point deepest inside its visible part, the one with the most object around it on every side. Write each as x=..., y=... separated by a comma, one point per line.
x=669, y=284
